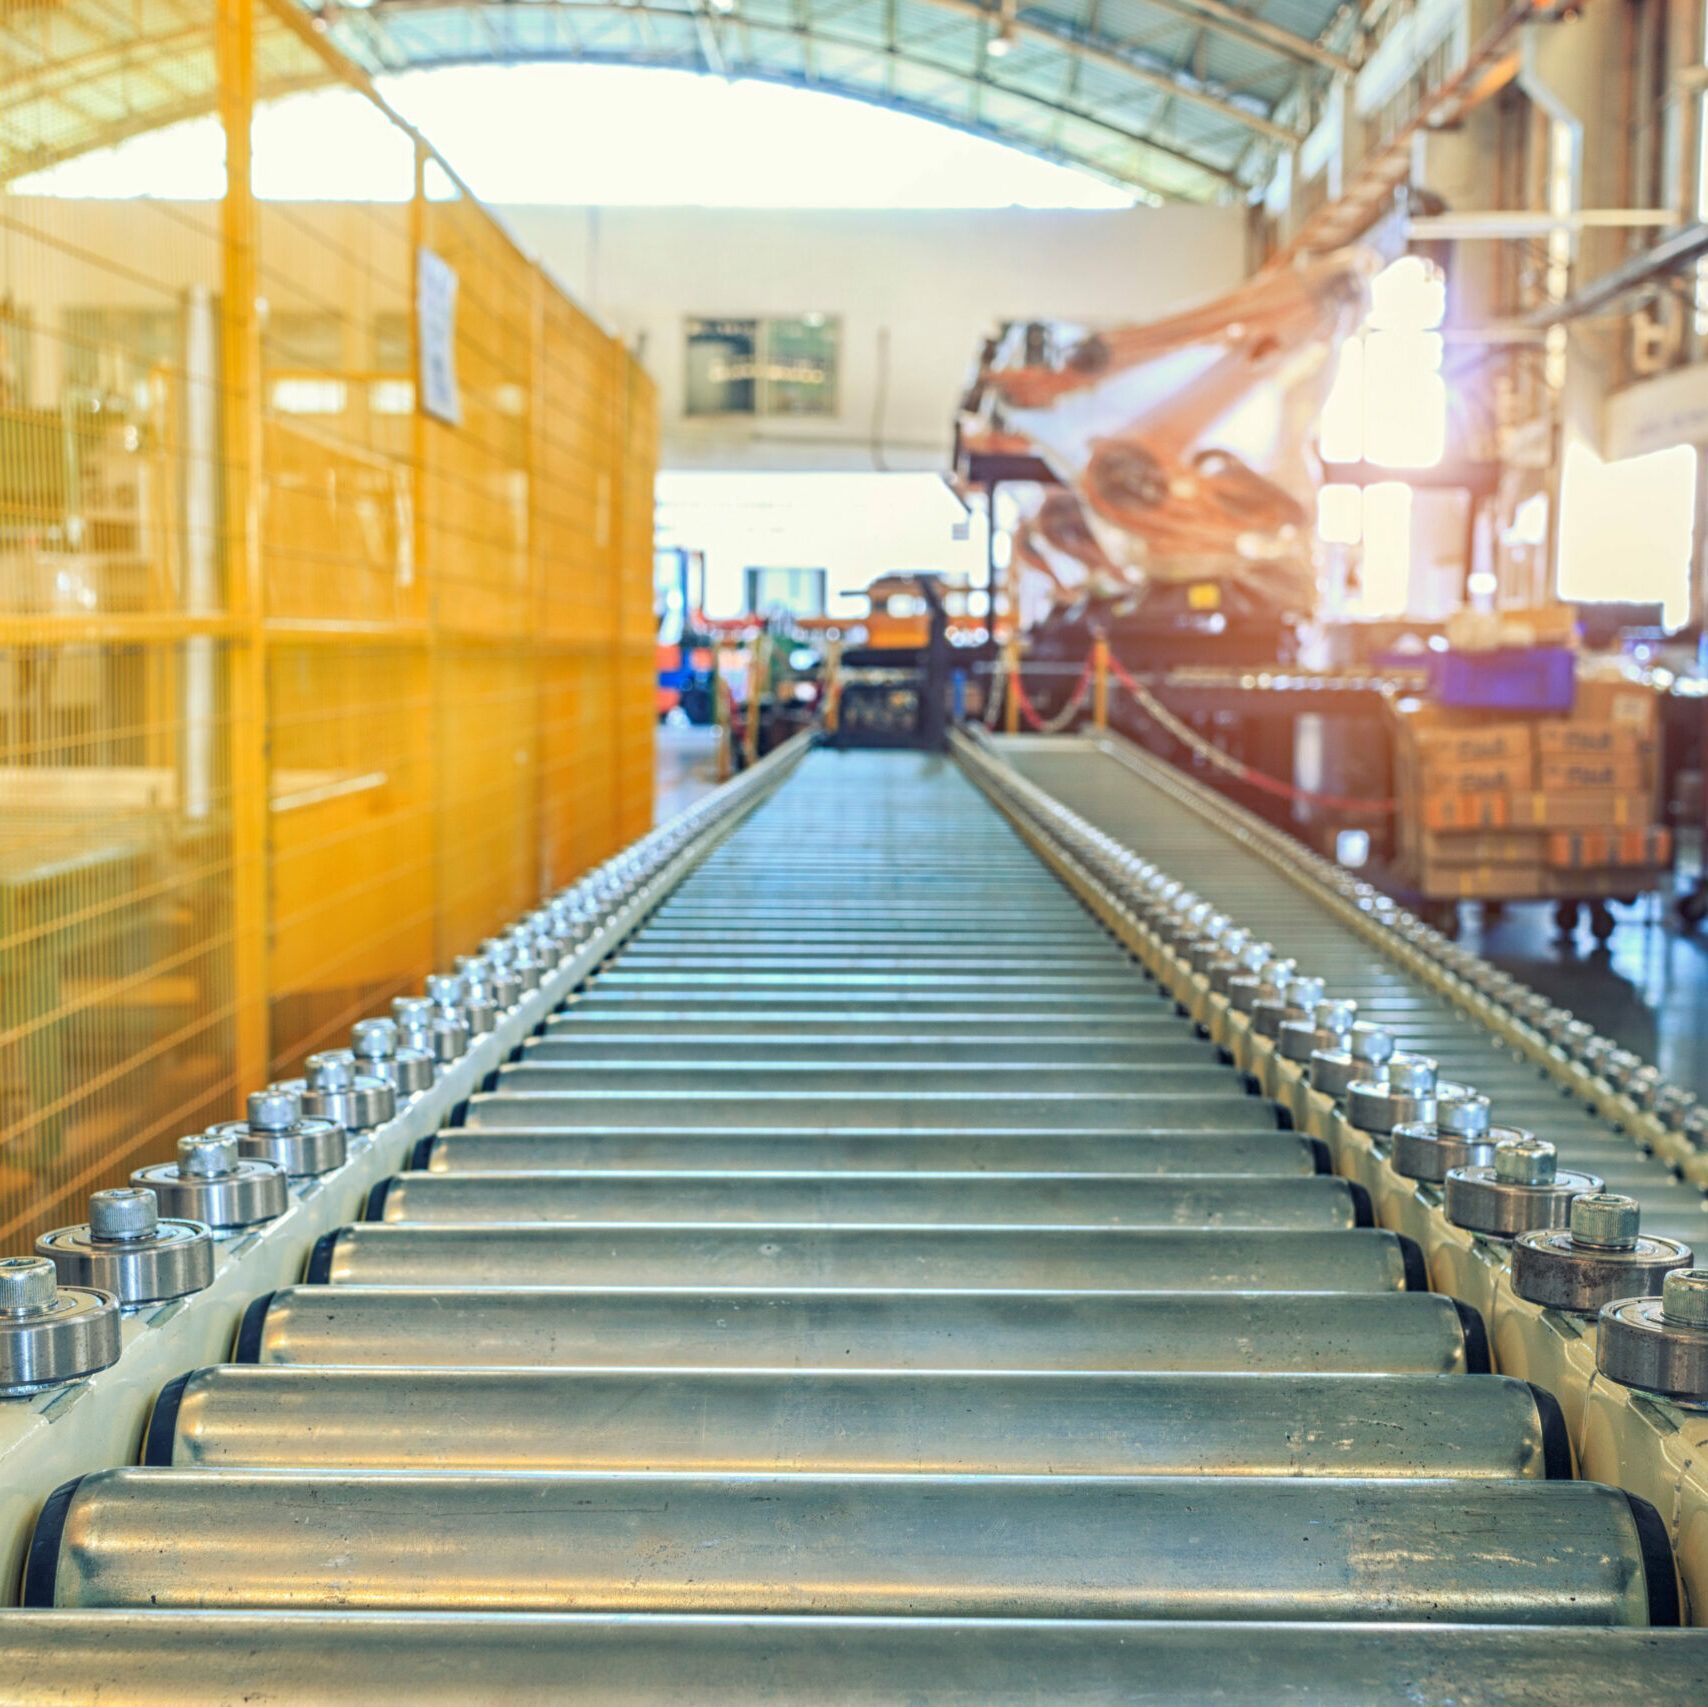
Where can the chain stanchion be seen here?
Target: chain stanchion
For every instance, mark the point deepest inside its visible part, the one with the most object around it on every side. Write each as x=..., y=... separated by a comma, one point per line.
x=1100, y=683
x=758, y=675
x=721, y=717
x=832, y=706
x=993, y=706
x=1011, y=672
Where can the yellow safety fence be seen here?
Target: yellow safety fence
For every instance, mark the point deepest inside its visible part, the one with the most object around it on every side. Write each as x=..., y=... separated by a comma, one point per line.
x=326, y=630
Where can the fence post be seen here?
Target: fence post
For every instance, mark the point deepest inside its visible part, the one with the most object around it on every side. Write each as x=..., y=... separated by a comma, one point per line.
x=246, y=657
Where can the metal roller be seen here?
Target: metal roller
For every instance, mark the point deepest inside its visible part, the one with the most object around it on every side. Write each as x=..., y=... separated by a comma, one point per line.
x=336, y=1087
x=754, y=1254
x=459, y=1151
x=591, y=1027
x=1318, y=1203
x=51, y=1334
x=212, y=1183
x=801, y=1111
x=837, y=1422
x=1659, y=1344
x=126, y=1249
x=895, y=1078
x=1523, y=1190
x=738, y=958
x=278, y=1131
x=381, y=1051
x=1600, y=1257
x=134, y=1659
x=1420, y=1333
x=1129, y=999
x=1025, y=984
x=578, y=1049
x=1293, y=1549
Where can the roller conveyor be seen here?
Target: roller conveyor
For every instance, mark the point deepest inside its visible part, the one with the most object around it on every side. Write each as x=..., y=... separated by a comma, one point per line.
x=864, y=1287
x=1105, y=784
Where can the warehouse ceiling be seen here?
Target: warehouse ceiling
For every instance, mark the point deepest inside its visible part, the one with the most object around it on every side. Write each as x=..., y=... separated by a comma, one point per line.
x=1175, y=98
x=1182, y=99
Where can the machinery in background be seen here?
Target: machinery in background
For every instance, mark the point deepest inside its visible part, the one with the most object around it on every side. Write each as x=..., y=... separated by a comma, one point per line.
x=1170, y=468
x=921, y=638
x=687, y=653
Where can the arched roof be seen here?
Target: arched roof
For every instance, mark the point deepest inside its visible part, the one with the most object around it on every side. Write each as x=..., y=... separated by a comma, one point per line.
x=1183, y=99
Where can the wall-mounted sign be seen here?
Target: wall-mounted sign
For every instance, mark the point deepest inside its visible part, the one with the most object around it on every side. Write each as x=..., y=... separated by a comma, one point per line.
x=436, y=336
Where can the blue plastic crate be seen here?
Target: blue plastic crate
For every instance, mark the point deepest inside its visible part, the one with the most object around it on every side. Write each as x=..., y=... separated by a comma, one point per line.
x=1537, y=678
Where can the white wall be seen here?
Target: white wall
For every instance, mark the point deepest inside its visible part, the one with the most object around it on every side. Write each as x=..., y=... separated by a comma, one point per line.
x=915, y=291
x=854, y=526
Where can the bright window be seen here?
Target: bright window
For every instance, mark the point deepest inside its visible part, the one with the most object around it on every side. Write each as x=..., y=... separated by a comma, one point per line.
x=1626, y=529
x=1388, y=403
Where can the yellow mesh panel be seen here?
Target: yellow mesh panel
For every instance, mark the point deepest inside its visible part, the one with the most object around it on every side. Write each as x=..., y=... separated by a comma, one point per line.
x=302, y=692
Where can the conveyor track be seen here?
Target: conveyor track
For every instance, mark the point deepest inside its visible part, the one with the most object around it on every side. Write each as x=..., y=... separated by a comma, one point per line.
x=1099, y=780
x=867, y=1287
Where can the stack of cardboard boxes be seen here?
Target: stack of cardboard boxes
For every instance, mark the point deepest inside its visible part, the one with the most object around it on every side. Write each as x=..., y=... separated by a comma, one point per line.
x=1494, y=806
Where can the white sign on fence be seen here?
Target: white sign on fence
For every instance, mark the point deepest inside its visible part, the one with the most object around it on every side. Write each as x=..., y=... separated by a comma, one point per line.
x=436, y=336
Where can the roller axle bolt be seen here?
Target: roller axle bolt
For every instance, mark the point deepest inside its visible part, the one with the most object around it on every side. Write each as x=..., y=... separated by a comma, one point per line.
x=374, y=1039
x=1605, y=1220
x=1684, y=1297
x=329, y=1072
x=274, y=1111
x=124, y=1212
x=27, y=1284
x=1526, y=1161
x=207, y=1157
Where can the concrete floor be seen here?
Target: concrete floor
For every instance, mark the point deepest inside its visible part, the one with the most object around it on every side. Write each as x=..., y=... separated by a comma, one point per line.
x=684, y=768
x=1647, y=988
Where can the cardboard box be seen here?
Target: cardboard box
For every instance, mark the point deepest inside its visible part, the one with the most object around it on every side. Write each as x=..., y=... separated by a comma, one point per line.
x=1569, y=772
x=1463, y=811
x=1571, y=739
x=1617, y=699
x=1481, y=847
x=1490, y=743
x=1491, y=776
x=1584, y=809
x=1577, y=850
x=1454, y=880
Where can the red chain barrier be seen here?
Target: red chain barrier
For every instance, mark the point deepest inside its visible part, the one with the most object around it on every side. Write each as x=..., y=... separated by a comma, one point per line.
x=1190, y=738
x=1027, y=710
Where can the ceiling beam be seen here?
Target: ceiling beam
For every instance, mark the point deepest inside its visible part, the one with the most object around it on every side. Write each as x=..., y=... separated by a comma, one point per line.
x=1100, y=51
x=1229, y=20
x=1110, y=54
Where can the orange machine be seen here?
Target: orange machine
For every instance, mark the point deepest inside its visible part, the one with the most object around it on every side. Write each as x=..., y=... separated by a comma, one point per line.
x=900, y=618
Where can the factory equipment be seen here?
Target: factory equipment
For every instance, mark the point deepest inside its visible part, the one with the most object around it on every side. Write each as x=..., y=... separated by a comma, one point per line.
x=933, y=1351
x=1168, y=469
